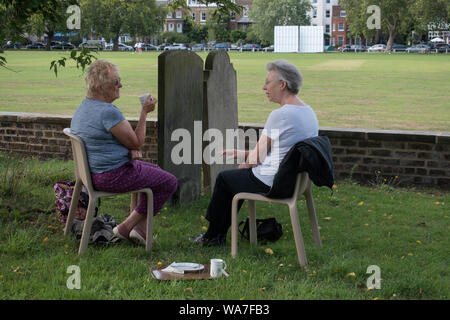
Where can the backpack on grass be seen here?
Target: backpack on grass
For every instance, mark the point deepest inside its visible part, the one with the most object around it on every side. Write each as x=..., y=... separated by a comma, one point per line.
x=266, y=229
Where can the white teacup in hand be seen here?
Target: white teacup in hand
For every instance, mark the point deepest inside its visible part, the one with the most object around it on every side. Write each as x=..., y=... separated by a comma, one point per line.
x=143, y=98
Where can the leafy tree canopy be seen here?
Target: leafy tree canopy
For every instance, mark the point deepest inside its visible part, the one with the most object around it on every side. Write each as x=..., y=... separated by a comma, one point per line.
x=267, y=14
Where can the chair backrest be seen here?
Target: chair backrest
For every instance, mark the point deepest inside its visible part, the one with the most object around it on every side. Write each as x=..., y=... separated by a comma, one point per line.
x=82, y=170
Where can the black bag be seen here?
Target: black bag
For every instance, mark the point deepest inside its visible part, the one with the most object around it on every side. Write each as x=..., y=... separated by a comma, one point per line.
x=266, y=229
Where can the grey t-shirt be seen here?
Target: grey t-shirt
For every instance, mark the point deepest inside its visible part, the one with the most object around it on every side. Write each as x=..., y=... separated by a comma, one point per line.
x=285, y=127
x=91, y=122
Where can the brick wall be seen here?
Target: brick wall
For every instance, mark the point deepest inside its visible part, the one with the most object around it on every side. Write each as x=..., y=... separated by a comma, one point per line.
x=41, y=136
x=416, y=158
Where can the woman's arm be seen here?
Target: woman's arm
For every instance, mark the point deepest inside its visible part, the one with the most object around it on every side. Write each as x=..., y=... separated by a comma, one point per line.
x=259, y=153
x=254, y=157
x=134, y=139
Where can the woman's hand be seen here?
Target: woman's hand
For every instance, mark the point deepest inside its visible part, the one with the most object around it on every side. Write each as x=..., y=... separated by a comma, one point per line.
x=149, y=104
x=234, y=154
x=135, y=154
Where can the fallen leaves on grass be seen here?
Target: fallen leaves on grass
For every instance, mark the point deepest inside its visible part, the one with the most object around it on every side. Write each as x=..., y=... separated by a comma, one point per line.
x=312, y=274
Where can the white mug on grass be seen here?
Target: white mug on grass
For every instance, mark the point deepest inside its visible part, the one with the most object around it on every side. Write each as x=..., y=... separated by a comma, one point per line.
x=218, y=267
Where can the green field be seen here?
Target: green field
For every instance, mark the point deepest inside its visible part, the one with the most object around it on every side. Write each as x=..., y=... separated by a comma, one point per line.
x=378, y=91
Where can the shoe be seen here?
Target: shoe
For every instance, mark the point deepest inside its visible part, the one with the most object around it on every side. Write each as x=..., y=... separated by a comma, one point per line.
x=218, y=240
x=118, y=234
x=137, y=238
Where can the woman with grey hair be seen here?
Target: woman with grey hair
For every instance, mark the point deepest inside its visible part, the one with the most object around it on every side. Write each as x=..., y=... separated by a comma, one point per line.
x=294, y=121
x=112, y=148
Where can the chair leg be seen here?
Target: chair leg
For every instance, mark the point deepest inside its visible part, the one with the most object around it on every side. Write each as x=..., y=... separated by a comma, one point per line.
x=73, y=206
x=134, y=201
x=87, y=226
x=313, y=217
x=252, y=221
x=298, y=235
x=234, y=228
x=149, y=234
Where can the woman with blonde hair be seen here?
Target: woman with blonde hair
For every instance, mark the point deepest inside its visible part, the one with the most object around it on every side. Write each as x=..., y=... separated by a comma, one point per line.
x=113, y=147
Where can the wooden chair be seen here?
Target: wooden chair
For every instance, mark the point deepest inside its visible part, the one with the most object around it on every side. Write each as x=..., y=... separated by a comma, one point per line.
x=83, y=177
x=303, y=186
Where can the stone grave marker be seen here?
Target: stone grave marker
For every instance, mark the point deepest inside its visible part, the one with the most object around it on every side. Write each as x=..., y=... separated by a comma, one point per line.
x=180, y=107
x=220, y=115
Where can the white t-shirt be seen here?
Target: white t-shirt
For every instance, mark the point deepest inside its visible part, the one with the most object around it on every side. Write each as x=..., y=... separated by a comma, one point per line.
x=285, y=127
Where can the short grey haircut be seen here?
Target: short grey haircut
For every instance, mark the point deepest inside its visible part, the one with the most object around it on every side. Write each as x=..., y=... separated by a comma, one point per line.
x=287, y=72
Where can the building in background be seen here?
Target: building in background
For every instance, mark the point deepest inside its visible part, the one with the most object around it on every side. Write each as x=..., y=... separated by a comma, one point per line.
x=202, y=13
x=339, y=29
x=440, y=30
x=321, y=15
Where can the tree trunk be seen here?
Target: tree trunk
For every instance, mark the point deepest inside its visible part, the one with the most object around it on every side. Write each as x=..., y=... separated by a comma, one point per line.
x=116, y=43
x=390, y=42
x=49, y=40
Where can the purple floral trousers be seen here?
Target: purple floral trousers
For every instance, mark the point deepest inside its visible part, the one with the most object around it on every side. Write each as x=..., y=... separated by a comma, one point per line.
x=135, y=175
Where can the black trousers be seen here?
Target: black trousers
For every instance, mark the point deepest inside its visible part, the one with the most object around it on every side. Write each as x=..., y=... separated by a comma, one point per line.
x=228, y=184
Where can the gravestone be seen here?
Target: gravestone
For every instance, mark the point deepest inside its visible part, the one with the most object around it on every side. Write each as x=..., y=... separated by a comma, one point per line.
x=180, y=107
x=220, y=115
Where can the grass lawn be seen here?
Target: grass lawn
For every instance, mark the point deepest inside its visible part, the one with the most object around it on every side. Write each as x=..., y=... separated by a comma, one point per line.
x=403, y=232
x=398, y=91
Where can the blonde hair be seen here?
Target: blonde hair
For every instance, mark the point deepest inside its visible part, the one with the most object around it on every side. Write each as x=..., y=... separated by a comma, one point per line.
x=98, y=77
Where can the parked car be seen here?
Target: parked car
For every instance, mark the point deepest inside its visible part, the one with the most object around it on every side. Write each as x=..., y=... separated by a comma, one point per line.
x=377, y=48
x=221, y=46
x=210, y=44
x=162, y=46
x=399, y=48
x=63, y=46
x=89, y=46
x=198, y=47
x=234, y=47
x=268, y=49
x=177, y=46
x=12, y=45
x=358, y=48
x=124, y=47
x=36, y=45
x=148, y=47
x=442, y=47
x=418, y=48
x=251, y=47
x=344, y=48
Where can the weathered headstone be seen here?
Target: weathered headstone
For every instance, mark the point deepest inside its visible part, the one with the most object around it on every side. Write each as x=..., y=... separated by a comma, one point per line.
x=220, y=115
x=180, y=106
